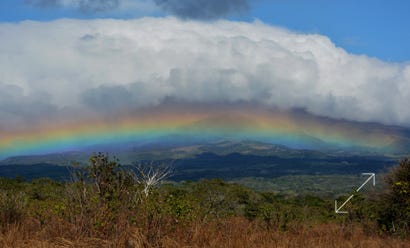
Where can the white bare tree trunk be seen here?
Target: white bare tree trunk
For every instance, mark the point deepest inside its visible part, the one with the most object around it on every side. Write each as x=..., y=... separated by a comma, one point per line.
x=150, y=175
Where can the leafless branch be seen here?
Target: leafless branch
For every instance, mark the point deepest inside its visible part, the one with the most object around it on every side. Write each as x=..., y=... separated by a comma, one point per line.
x=150, y=175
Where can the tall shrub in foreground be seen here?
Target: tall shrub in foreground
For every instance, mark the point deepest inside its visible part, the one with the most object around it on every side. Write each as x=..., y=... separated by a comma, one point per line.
x=394, y=212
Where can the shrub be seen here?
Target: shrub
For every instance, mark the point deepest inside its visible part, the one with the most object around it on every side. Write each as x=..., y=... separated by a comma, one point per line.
x=394, y=205
x=12, y=206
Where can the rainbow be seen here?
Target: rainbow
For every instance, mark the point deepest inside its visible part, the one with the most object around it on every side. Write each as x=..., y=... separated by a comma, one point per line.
x=298, y=130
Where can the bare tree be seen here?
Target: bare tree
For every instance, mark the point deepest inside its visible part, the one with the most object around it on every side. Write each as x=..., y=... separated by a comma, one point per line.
x=150, y=175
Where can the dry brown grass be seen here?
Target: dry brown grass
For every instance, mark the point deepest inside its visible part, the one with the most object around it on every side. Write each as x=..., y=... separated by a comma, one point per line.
x=234, y=232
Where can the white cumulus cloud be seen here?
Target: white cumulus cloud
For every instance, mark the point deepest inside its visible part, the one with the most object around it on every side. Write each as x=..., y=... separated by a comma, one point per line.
x=104, y=66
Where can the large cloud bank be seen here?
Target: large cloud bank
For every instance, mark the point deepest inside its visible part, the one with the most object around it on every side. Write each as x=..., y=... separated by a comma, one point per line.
x=68, y=69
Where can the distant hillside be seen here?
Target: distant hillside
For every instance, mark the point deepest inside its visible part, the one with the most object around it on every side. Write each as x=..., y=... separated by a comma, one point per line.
x=161, y=151
x=225, y=160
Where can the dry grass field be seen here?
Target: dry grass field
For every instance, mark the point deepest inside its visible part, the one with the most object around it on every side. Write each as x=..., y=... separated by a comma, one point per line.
x=234, y=232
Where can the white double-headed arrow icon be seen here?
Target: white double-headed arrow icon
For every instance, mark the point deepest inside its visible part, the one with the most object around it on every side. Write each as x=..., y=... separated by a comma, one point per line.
x=372, y=176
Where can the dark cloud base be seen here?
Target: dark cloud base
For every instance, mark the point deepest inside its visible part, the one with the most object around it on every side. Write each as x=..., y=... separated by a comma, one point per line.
x=185, y=9
x=203, y=9
x=83, y=5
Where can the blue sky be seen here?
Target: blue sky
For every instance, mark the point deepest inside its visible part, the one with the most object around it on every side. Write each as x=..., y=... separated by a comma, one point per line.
x=377, y=28
x=373, y=27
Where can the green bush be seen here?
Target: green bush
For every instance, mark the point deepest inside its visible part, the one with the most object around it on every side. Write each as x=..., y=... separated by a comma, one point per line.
x=12, y=207
x=394, y=205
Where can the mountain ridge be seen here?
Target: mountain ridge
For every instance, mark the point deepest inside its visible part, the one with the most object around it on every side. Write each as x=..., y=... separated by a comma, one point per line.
x=161, y=151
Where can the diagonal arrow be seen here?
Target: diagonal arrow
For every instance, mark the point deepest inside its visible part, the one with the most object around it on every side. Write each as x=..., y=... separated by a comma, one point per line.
x=337, y=210
x=372, y=176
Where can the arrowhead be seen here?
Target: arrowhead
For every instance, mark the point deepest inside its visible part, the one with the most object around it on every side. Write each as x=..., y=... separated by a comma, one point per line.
x=336, y=206
x=337, y=210
x=372, y=176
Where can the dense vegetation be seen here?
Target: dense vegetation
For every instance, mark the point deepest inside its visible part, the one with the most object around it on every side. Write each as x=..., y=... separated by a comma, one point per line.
x=109, y=205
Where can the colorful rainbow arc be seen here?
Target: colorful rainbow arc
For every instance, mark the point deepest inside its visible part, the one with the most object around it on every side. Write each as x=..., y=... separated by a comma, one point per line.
x=251, y=124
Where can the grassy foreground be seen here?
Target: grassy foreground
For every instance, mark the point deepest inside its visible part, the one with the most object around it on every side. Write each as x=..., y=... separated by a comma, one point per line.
x=230, y=232
x=107, y=206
